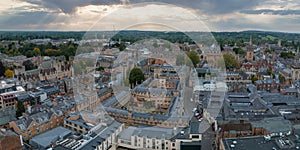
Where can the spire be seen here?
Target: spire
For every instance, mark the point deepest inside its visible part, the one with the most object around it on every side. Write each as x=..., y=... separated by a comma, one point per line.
x=250, y=42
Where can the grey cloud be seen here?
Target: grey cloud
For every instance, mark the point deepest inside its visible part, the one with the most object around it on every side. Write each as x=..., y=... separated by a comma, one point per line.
x=206, y=6
x=23, y=19
x=212, y=6
x=273, y=12
x=69, y=6
x=283, y=24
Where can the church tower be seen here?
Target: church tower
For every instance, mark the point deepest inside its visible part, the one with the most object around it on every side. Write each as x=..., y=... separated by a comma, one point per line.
x=250, y=53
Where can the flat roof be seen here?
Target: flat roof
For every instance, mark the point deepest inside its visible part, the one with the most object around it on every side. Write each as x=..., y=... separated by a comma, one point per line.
x=149, y=132
x=249, y=143
x=273, y=125
x=45, y=139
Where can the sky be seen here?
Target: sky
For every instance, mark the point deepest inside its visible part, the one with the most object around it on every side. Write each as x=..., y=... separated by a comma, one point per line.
x=180, y=15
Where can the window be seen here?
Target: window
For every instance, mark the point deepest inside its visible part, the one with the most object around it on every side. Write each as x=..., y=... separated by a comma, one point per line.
x=144, y=142
x=135, y=141
x=153, y=143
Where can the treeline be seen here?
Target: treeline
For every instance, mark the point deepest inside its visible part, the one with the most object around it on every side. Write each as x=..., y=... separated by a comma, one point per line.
x=133, y=36
x=30, y=49
x=23, y=35
x=258, y=37
x=223, y=38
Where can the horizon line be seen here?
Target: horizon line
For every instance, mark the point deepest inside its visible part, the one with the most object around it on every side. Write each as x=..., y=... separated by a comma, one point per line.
x=237, y=31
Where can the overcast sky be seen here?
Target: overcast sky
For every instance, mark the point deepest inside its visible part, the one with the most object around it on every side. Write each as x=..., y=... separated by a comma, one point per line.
x=183, y=15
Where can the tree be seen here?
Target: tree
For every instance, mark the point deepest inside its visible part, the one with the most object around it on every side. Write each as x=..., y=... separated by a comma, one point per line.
x=122, y=46
x=230, y=61
x=2, y=69
x=253, y=78
x=287, y=55
x=28, y=65
x=268, y=51
x=9, y=73
x=136, y=76
x=100, y=68
x=281, y=78
x=238, y=51
x=68, y=49
x=36, y=51
x=20, y=109
x=193, y=56
x=52, y=52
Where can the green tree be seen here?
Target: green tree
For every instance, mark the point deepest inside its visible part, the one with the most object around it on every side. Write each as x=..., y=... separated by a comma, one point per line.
x=238, y=51
x=281, y=78
x=193, y=56
x=100, y=68
x=253, y=79
x=52, y=52
x=286, y=55
x=268, y=51
x=20, y=109
x=29, y=65
x=230, y=61
x=136, y=76
x=2, y=69
x=122, y=46
x=69, y=49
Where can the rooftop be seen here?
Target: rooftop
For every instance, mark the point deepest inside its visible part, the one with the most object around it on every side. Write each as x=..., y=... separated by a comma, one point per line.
x=261, y=143
x=273, y=125
x=45, y=139
x=149, y=132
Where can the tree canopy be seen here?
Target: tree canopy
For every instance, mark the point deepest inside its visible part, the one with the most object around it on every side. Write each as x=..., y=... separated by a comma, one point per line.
x=286, y=55
x=230, y=61
x=2, y=69
x=238, y=51
x=122, y=46
x=20, y=109
x=29, y=65
x=193, y=56
x=37, y=51
x=9, y=73
x=136, y=76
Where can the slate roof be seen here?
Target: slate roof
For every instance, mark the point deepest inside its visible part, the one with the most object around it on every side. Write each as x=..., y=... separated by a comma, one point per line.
x=45, y=139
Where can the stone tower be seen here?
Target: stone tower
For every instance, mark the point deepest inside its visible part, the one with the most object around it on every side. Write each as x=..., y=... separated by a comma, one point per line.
x=250, y=53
